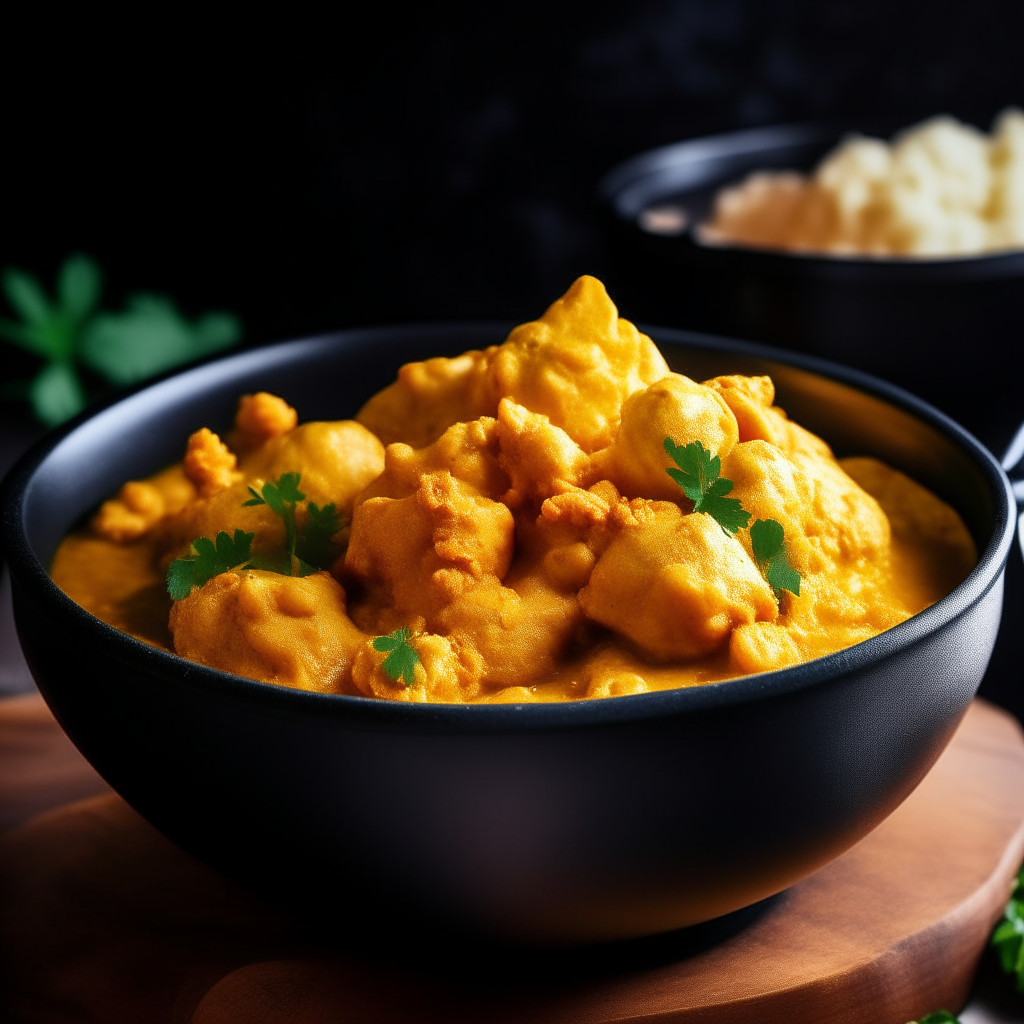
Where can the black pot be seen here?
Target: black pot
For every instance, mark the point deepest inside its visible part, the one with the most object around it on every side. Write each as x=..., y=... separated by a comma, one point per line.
x=570, y=822
x=947, y=329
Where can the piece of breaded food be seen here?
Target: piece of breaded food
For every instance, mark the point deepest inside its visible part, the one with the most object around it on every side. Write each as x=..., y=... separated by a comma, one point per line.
x=577, y=364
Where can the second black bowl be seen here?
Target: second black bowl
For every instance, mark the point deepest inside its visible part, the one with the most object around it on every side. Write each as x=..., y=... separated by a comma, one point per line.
x=948, y=329
x=576, y=822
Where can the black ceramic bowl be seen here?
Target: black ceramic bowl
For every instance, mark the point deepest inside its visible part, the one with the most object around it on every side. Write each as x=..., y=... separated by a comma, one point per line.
x=568, y=822
x=934, y=326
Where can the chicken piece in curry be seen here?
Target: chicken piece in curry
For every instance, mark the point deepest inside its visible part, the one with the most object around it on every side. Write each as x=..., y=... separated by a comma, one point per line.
x=554, y=518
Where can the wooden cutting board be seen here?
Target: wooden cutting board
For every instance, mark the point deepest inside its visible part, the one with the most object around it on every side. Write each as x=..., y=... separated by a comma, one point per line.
x=102, y=919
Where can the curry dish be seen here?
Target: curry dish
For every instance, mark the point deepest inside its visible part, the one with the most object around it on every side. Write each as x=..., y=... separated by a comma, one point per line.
x=506, y=522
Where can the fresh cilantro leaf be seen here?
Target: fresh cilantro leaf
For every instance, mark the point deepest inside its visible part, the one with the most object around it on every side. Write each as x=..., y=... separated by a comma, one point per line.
x=727, y=512
x=768, y=540
x=697, y=469
x=288, y=487
x=278, y=494
x=400, y=664
x=257, y=496
x=1008, y=938
x=313, y=545
x=782, y=576
x=699, y=475
x=310, y=549
x=208, y=559
x=307, y=550
x=938, y=1017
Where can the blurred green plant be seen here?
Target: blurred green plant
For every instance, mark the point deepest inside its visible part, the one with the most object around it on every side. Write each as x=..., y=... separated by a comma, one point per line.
x=67, y=332
x=1008, y=938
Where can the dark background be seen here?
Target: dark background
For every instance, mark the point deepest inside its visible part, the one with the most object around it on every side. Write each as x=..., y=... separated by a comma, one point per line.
x=394, y=163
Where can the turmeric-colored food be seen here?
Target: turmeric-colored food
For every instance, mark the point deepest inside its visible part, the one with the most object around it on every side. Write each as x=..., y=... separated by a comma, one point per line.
x=504, y=526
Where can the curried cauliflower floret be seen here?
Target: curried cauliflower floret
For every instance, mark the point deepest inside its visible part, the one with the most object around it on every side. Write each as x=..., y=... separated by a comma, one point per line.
x=520, y=631
x=539, y=458
x=828, y=520
x=468, y=451
x=428, y=397
x=675, y=407
x=142, y=504
x=448, y=672
x=676, y=585
x=568, y=566
x=279, y=629
x=750, y=399
x=336, y=460
x=259, y=418
x=209, y=463
x=577, y=364
x=418, y=553
x=224, y=511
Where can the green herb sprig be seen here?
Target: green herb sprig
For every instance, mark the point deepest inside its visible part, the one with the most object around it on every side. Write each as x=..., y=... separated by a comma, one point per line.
x=307, y=549
x=938, y=1017
x=768, y=540
x=67, y=332
x=208, y=559
x=314, y=544
x=281, y=497
x=401, y=662
x=699, y=474
x=1008, y=938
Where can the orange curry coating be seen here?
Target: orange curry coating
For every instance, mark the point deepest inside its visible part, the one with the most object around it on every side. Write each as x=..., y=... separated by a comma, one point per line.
x=510, y=507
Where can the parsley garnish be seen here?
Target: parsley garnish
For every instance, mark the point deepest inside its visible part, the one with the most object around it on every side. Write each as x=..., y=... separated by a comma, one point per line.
x=208, y=560
x=699, y=475
x=306, y=551
x=400, y=664
x=938, y=1017
x=768, y=539
x=1008, y=938
x=313, y=545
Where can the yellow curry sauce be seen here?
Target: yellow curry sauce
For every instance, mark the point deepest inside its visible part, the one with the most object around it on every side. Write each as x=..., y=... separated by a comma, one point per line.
x=512, y=508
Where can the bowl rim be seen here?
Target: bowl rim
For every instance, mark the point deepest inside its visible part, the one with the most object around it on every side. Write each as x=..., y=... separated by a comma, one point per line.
x=28, y=571
x=619, y=188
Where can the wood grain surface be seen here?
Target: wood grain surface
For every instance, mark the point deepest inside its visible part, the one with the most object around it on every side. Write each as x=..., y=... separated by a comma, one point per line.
x=102, y=919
